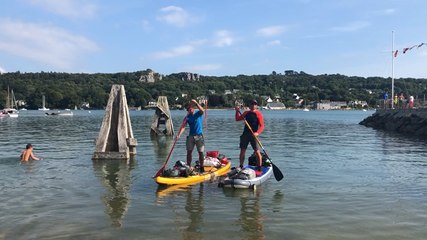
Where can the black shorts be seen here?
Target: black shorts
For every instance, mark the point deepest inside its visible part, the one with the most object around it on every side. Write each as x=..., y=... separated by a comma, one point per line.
x=245, y=139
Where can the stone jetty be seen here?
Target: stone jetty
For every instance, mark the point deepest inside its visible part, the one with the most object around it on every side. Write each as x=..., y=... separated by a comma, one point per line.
x=405, y=121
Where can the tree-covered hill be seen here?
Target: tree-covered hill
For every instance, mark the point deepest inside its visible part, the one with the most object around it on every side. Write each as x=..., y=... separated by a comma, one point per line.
x=66, y=90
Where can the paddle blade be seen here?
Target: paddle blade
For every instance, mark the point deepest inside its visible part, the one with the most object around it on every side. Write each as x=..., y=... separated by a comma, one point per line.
x=277, y=173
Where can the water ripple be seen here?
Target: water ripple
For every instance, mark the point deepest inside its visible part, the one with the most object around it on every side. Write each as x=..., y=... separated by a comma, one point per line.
x=342, y=180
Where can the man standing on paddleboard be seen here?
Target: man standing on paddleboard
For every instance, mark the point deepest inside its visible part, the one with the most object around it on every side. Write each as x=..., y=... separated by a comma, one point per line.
x=254, y=118
x=195, y=137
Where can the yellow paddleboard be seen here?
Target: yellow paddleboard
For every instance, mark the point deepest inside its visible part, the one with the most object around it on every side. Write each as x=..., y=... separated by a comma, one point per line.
x=210, y=174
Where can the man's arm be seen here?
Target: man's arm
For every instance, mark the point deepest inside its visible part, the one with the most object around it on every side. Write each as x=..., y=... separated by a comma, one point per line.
x=34, y=157
x=201, y=109
x=181, y=131
x=239, y=116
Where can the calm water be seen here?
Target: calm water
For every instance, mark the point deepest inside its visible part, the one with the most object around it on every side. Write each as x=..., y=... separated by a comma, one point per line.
x=342, y=181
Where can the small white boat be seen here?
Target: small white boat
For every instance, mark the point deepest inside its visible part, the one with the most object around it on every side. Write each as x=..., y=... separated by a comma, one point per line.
x=66, y=113
x=10, y=107
x=10, y=112
x=13, y=114
x=59, y=113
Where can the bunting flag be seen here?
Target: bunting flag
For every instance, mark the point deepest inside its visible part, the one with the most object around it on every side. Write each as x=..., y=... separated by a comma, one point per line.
x=395, y=53
x=404, y=50
x=410, y=48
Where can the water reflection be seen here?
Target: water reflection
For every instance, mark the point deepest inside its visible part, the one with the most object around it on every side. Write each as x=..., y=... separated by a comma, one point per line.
x=251, y=218
x=277, y=202
x=115, y=175
x=192, y=195
x=194, y=206
x=161, y=146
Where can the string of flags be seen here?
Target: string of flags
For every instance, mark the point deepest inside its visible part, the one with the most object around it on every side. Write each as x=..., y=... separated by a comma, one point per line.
x=404, y=50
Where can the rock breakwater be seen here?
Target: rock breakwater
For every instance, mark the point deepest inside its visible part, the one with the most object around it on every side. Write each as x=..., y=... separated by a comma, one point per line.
x=405, y=121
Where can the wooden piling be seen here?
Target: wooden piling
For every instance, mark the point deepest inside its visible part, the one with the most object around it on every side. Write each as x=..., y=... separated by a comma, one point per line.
x=162, y=121
x=115, y=139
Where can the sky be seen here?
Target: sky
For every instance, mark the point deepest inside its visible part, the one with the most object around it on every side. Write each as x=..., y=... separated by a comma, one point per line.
x=215, y=38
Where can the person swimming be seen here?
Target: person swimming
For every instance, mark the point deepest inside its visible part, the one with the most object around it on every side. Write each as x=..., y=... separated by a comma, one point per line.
x=28, y=154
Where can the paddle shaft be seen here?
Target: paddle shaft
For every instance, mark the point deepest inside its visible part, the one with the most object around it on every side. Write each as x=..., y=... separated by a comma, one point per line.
x=173, y=146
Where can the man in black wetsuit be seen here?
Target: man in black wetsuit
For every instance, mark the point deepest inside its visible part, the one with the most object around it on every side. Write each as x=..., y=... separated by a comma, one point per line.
x=255, y=119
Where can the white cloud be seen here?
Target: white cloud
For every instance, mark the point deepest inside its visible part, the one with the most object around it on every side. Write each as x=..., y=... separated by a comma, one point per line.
x=2, y=70
x=203, y=67
x=175, y=16
x=68, y=8
x=146, y=25
x=223, y=38
x=388, y=11
x=199, y=42
x=271, y=31
x=175, y=52
x=351, y=27
x=43, y=43
x=180, y=50
x=274, y=43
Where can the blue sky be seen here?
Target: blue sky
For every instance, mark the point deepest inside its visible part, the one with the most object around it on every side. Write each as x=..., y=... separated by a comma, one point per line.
x=216, y=38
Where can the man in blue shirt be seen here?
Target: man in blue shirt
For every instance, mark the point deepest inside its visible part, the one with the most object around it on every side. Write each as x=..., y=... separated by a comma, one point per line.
x=195, y=137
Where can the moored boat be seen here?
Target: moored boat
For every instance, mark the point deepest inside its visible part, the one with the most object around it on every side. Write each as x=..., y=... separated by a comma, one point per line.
x=10, y=106
x=13, y=114
x=59, y=113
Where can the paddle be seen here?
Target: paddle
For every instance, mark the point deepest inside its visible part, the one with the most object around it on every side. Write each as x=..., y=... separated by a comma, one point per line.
x=170, y=152
x=277, y=173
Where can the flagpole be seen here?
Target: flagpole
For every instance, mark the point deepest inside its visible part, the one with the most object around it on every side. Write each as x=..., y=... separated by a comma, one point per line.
x=392, y=69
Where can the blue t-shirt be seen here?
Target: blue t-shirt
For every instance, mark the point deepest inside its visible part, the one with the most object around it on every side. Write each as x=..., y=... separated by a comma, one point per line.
x=195, y=122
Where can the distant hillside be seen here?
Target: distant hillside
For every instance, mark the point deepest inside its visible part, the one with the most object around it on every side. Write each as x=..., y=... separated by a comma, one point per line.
x=66, y=90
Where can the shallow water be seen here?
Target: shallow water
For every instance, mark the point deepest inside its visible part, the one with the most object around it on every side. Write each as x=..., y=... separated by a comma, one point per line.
x=342, y=181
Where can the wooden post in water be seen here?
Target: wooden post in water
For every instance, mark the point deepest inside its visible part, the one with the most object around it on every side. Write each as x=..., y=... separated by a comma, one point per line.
x=161, y=117
x=115, y=139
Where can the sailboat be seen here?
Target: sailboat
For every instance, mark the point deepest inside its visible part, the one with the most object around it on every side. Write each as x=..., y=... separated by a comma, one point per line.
x=10, y=107
x=44, y=105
